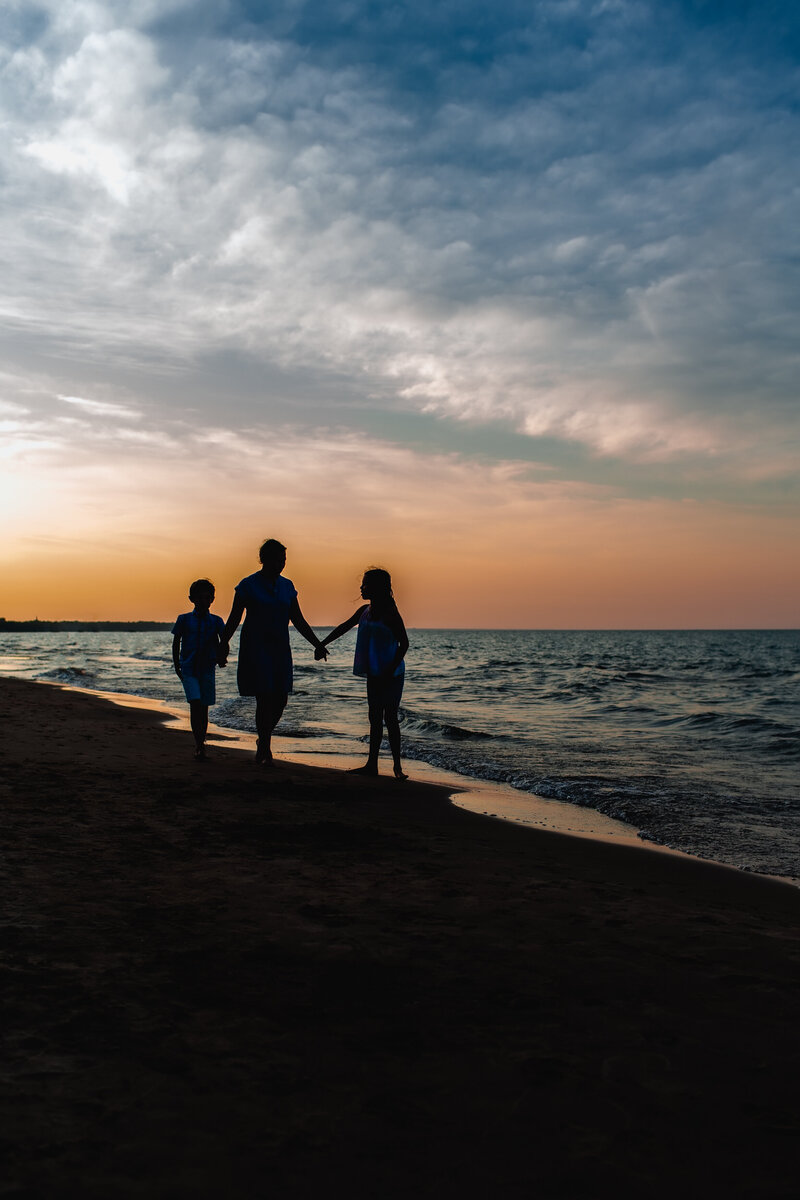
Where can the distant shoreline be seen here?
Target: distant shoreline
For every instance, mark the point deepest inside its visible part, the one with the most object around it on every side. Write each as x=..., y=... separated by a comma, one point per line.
x=37, y=626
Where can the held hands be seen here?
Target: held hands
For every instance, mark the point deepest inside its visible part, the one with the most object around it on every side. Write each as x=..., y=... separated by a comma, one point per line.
x=320, y=653
x=222, y=654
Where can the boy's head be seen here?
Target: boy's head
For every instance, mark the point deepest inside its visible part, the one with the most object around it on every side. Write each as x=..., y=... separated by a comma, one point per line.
x=202, y=593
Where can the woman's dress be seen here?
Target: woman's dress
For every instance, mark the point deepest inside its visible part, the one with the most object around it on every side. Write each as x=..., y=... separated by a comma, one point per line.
x=265, y=658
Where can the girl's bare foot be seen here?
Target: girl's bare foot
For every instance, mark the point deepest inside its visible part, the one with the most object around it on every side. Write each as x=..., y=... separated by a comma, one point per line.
x=399, y=773
x=263, y=752
x=200, y=754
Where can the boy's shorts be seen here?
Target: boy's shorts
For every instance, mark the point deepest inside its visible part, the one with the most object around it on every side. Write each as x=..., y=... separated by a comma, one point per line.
x=200, y=687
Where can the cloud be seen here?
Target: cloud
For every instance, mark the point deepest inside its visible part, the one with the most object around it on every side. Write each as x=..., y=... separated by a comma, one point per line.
x=571, y=219
x=101, y=409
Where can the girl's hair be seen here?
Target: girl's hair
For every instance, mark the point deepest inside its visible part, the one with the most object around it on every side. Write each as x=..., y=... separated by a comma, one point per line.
x=200, y=585
x=270, y=550
x=380, y=584
x=380, y=580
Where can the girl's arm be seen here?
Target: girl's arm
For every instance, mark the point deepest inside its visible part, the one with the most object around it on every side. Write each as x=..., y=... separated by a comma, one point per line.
x=395, y=623
x=302, y=626
x=345, y=625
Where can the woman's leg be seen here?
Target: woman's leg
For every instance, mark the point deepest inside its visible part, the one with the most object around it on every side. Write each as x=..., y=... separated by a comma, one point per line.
x=269, y=710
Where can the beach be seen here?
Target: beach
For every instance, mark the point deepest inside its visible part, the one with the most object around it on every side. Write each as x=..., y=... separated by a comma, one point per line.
x=225, y=981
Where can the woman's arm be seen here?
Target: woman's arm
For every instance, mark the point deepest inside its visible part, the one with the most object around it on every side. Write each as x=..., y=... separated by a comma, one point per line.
x=232, y=624
x=302, y=626
x=345, y=625
x=221, y=644
x=176, y=654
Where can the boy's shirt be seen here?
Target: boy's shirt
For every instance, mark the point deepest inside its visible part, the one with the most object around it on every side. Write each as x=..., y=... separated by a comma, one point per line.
x=200, y=637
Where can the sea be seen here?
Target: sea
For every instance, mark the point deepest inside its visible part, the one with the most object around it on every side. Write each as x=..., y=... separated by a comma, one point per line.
x=692, y=737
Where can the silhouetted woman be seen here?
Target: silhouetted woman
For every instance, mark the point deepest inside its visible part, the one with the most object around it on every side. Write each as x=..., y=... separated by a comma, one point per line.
x=381, y=646
x=269, y=603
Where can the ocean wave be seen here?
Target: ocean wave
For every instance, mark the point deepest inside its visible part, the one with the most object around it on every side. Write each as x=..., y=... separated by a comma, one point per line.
x=579, y=690
x=730, y=723
x=413, y=723
x=75, y=675
x=628, y=709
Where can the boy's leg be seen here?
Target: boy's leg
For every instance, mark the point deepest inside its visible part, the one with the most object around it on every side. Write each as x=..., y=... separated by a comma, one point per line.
x=198, y=719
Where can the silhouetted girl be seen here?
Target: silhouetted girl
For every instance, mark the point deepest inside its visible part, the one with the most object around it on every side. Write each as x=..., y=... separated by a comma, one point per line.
x=381, y=646
x=265, y=658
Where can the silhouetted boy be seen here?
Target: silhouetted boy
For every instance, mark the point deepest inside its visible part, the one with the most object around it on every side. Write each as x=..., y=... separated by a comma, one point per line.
x=195, y=646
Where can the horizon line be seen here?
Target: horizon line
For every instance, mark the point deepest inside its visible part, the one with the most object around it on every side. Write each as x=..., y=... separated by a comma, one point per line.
x=440, y=628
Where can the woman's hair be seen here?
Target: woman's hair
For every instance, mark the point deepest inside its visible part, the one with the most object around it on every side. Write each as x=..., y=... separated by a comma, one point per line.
x=200, y=585
x=270, y=550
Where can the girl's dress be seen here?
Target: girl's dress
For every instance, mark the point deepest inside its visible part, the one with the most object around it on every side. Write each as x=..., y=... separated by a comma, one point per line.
x=376, y=646
x=265, y=658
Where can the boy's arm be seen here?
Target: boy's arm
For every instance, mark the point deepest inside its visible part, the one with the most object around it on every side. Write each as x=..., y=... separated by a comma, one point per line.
x=176, y=654
x=302, y=626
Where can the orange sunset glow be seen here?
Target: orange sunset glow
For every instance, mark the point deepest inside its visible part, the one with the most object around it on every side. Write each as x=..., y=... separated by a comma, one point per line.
x=467, y=548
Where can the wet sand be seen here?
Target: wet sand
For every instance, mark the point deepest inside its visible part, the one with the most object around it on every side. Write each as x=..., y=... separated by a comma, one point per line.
x=220, y=981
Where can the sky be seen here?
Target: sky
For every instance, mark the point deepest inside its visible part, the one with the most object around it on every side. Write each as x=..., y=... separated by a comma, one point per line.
x=503, y=297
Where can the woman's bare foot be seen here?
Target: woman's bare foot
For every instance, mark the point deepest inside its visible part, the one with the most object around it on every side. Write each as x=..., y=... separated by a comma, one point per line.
x=263, y=753
x=399, y=773
x=200, y=754
x=365, y=770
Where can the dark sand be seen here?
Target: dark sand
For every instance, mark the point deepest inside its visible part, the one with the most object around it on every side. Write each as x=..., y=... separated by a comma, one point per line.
x=222, y=982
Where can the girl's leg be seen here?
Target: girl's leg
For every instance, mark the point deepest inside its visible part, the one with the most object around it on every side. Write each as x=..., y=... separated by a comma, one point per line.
x=198, y=719
x=269, y=710
x=375, y=703
x=394, y=692
x=393, y=733
x=375, y=736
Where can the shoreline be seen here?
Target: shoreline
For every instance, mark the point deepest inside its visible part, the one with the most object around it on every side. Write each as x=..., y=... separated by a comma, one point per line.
x=702, y=771
x=216, y=976
x=523, y=809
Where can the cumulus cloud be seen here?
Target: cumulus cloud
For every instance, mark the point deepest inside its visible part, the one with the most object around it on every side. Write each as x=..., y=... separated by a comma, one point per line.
x=573, y=219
